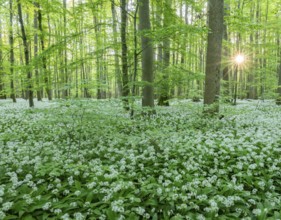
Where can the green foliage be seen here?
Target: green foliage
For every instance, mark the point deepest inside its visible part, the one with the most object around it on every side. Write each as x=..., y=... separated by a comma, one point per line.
x=86, y=159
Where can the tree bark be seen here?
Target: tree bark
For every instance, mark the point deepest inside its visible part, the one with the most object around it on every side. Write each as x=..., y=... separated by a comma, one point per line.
x=12, y=55
x=225, y=72
x=118, y=79
x=44, y=60
x=36, y=70
x=214, y=50
x=278, y=100
x=66, y=78
x=26, y=56
x=164, y=85
x=2, y=91
x=125, y=75
x=147, y=54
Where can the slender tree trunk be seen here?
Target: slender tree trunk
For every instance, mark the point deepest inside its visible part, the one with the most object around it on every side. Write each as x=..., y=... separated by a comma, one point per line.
x=278, y=100
x=2, y=91
x=214, y=50
x=147, y=55
x=118, y=79
x=66, y=77
x=164, y=85
x=264, y=54
x=36, y=70
x=125, y=75
x=135, y=71
x=12, y=56
x=225, y=72
x=44, y=60
x=26, y=56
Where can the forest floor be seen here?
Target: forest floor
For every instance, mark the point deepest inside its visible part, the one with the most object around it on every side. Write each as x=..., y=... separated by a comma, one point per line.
x=86, y=159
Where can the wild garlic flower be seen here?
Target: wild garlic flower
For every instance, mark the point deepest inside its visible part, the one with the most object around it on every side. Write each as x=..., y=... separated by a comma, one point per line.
x=78, y=216
x=257, y=212
x=7, y=206
x=47, y=206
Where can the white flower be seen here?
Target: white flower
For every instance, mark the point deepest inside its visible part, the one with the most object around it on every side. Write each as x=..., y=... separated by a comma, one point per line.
x=1, y=191
x=57, y=211
x=77, y=192
x=257, y=212
x=78, y=216
x=117, y=206
x=65, y=217
x=7, y=206
x=2, y=215
x=91, y=185
x=47, y=206
x=73, y=204
x=140, y=210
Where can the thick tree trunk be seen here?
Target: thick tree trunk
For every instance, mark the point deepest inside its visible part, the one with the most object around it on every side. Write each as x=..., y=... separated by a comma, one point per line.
x=26, y=56
x=125, y=75
x=214, y=50
x=147, y=55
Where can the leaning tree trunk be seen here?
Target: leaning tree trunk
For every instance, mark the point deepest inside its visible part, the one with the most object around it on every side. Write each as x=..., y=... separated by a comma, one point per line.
x=147, y=55
x=26, y=56
x=213, y=62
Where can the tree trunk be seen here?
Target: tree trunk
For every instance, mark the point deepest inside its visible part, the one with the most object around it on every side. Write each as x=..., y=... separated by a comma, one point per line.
x=278, y=100
x=36, y=70
x=214, y=50
x=44, y=60
x=225, y=72
x=118, y=79
x=125, y=75
x=12, y=55
x=147, y=55
x=26, y=56
x=164, y=85
x=2, y=92
x=65, y=90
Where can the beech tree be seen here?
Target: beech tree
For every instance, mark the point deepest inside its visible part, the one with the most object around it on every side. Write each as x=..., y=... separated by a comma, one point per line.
x=147, y=54
x=214, y=50
x=93, y=48
x=125, y=76
x=12, y=54
x=2, y=93
x=26, y=56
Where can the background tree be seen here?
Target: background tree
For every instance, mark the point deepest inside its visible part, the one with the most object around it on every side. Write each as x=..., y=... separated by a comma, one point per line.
x=26, y=56
x=12, y=55
x=2, y=92
x=164, y=84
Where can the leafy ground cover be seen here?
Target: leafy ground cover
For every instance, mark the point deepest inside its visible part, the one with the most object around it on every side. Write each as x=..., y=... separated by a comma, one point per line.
x=87, y=159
